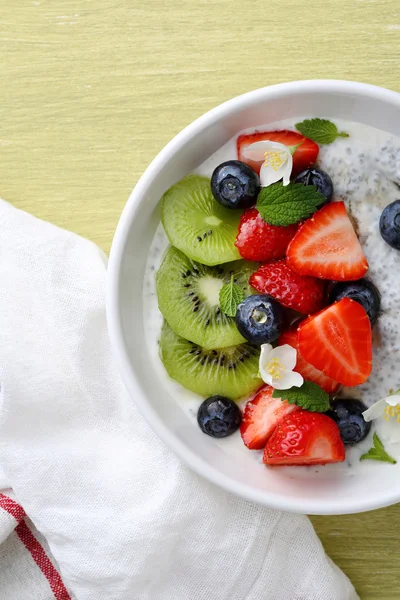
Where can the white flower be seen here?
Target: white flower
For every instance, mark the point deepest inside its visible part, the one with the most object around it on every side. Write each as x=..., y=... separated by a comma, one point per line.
x=276, y=367
x=278, y=161
x=389, y=409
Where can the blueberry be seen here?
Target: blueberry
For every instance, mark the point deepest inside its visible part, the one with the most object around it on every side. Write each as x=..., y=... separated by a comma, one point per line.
x=348, y=417
x=362, y=291
x=235, y=185
x=389, y=224
x=259, y=319
x=318, y=179
x=218, y=416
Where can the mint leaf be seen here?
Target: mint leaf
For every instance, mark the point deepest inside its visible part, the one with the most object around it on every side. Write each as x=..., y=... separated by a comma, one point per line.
x=285, y=205
x=230, y=295
x=321, y=131
x=378, y=452
x=309, y=396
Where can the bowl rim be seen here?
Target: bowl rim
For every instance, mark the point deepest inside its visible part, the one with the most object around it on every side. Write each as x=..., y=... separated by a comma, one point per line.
x=119, y=349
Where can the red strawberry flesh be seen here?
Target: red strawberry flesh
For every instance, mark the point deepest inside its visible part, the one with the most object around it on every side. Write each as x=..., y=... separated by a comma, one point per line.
x=304, y=438
x=260, y=417
x=305, y=369
x=338, y=342
x=326, y=246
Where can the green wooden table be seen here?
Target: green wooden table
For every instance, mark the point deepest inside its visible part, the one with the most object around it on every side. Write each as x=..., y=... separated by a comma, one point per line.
x=92, y=89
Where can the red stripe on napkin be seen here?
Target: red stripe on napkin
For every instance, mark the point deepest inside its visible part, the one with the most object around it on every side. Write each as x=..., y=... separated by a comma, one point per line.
x=43, y=562
x=12, y=507
x=34, y=547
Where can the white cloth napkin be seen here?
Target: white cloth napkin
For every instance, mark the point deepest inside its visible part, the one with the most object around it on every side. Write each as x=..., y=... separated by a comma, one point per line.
x=122, y=516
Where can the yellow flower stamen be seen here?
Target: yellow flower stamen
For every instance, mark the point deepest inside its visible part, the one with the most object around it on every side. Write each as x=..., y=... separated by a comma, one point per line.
x=277, y=158
x=392, y=412
x=275, y=368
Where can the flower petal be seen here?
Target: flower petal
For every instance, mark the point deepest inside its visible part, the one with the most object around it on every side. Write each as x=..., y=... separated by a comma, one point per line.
x=287, y=355
x=375, y=411
x=393, y=400
x=265, y=358
x=289, y=379
x=257, y=150
x=288, y=170
x=265, y=355
x=268, y=176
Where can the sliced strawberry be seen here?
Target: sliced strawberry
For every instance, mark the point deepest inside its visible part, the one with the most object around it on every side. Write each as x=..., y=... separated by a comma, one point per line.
x=304, y=156
x=305, y=438
x=338, y=341
x=257, y=240
x=306, y=369
x=304, y=294
x=326, y=246
x=260, y=417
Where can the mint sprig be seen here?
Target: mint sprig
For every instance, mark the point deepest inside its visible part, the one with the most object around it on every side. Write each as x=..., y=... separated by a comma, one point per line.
x=320, y=131
x=309, y=396
x=285, y=205
x=230, y=295
x=378, y=452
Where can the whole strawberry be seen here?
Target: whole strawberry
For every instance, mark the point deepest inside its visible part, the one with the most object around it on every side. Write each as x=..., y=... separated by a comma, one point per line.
x=259, y=241
x=304, y=294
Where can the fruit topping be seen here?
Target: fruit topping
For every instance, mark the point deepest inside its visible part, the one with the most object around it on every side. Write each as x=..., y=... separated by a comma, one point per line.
x=326, y=246
x=218, y=416
x=303, y=294
x=259, y=241
x=338, y=342
x=189, y=298
x=319, y=179
x=347, y=413
x=305, y=369
x=362, y=291
x=197, y=224
x=261, y=416
x=304, y=156
x=304, y=438
x=389, y=224
x=231, y=372
x=235, y=185
x=259, y=319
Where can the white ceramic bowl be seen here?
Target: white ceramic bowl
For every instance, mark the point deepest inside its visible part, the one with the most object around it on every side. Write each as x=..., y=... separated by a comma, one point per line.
x=329, y=491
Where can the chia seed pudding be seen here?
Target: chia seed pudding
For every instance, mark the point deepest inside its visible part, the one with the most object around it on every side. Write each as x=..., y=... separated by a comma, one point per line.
x=365, y=171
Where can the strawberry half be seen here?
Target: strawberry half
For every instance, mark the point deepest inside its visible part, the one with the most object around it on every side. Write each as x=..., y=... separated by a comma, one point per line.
x=304, y=294
x=259, y=241
x=338, y=341
x=304, y=156
x=305, y=438
x=260, y=417
x=326, y=246
x=306, y=369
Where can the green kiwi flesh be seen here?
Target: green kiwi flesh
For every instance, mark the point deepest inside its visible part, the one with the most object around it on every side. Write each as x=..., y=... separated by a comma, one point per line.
x=197, y=224
x=188, y=298
x=231, y=372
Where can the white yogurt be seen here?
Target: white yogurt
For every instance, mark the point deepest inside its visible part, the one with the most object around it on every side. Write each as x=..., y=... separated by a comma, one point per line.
x=365, y=170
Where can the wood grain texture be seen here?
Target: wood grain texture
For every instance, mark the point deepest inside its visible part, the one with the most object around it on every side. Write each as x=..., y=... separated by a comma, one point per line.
x=92, y=90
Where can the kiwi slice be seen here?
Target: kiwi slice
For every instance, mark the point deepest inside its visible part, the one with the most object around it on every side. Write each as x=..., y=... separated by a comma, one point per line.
x=197, y=224
x=231, y=372
x=188, y=297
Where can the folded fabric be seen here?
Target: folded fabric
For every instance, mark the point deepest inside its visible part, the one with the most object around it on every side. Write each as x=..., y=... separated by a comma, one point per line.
x=121, y=516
